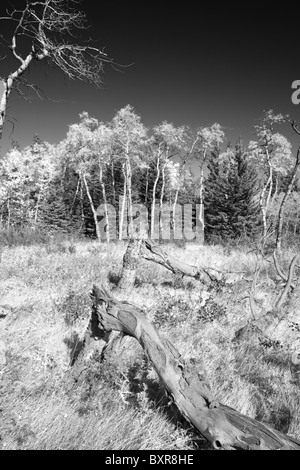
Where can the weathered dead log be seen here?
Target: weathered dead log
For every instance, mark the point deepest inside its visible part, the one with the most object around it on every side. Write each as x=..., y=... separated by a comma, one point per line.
x=138, y=248
x=221, y=425
x=154, y=253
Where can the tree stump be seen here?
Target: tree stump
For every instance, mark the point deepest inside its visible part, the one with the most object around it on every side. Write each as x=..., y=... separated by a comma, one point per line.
x=131, y=261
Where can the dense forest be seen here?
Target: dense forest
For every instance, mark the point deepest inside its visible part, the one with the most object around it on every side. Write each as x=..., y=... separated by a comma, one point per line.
x=110, y=180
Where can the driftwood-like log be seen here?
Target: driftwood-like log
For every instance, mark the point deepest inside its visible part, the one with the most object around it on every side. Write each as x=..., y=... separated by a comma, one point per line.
x=154, y=253
x=221, y=425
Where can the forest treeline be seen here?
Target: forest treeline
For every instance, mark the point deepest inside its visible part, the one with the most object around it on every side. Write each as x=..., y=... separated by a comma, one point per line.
x=235, y=192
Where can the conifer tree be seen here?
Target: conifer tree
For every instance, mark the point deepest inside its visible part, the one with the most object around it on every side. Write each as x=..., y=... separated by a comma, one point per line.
x=231, y=201
x=55, y=216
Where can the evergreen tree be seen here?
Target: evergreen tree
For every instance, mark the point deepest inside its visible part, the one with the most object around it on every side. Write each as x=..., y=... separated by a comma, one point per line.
x=55, y=214
x=231, y=201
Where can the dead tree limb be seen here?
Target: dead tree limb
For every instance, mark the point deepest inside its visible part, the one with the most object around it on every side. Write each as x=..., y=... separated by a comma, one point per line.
x=221, y=425
x=288, y=283
x=154, y=253
x=261, y=322
x=44, y=31
x=279, y=270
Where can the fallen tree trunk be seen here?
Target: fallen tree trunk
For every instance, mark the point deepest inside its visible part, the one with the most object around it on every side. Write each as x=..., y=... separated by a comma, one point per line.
x=154, y=253
x=221, y=425
x=151, y=252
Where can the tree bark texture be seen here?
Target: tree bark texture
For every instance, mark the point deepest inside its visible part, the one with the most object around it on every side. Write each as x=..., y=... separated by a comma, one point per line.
x=152, y=229
x=104, y=202
x=200, y=224
x=92, y=207
x=123, y=207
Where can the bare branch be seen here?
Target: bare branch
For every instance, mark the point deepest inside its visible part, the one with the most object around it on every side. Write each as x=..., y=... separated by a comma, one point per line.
x=16, y=32
x=50, y=27
x=78, y=62
x=279, y=271
x=295, y=126
x=288, y=284
x=23, y=82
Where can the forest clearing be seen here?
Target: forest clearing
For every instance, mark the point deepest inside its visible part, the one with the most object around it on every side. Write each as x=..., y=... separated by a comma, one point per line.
x=119, y=402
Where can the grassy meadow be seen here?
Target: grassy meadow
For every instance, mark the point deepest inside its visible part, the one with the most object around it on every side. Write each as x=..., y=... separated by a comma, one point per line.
x=44, y=310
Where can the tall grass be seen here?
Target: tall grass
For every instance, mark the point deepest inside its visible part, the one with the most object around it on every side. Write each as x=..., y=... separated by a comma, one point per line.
x=119, y=403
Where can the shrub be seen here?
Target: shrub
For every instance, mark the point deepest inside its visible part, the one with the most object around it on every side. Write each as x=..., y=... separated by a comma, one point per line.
x=172, y=311
x=210, y=311
x=178, y=311
x=74, y=306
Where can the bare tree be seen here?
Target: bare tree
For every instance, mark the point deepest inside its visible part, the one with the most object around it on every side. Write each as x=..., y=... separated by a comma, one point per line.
x=272, y=154
x=45, y=30
x=288, y=191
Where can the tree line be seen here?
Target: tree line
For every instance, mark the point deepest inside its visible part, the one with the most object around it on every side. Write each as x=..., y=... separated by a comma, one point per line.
x=235, y=192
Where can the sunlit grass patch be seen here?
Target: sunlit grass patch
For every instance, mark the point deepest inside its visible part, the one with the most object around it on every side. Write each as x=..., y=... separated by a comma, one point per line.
x=121, y=404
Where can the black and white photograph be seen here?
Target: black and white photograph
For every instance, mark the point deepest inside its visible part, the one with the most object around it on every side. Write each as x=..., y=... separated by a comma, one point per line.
x=149, y=228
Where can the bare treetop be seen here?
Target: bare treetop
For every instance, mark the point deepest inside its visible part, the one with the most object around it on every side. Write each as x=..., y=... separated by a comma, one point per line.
x=51, y=30
x=52, y=26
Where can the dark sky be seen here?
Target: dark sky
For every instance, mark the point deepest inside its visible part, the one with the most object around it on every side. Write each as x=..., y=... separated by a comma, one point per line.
x=192, y=64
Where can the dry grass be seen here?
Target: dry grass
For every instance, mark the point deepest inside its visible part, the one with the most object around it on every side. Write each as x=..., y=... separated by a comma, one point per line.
x=44, y=292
